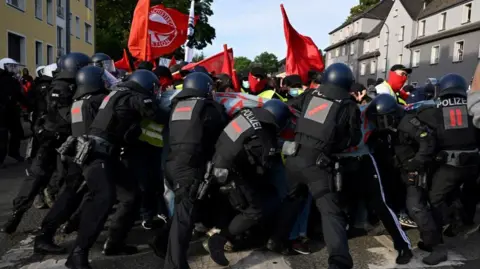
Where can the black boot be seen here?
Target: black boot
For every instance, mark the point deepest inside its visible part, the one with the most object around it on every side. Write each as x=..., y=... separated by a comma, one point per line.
x=404, y=256
x=44, y=245
x=438, y=255
x=69, y=227
x=78, y=259
x=159, y=246
x=111, y=248
x=421, y=245
x=216, y=246
x=11, y=225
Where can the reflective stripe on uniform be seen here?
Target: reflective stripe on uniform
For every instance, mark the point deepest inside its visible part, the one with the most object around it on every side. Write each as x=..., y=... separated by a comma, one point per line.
x=106, y=99
x=152, y=133
x=183, y=110
x=237, y=127
x=76, y=111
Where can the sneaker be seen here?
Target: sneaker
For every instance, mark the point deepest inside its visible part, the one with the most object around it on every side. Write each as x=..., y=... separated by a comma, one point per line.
x=147, y=224
x=301, y=246
x=404, y=256
x=406, y=221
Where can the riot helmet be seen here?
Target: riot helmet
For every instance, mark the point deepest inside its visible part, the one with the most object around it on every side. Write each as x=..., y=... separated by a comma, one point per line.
x=49, y=70
x=89, y=80
x=199, y=82
x=452, y=84
x=146, y=79
x=75, y=61
x=61, y=62
x=339, y=75
x=104, y=61
x=9, y=65
x=279, y=110
x=384, y=112
x=39, y=71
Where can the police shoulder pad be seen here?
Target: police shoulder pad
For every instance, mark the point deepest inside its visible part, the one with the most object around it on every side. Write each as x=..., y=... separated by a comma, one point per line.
x=415, y=122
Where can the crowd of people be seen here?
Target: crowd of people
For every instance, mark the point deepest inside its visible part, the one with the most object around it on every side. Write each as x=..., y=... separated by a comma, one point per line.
x=158, y=145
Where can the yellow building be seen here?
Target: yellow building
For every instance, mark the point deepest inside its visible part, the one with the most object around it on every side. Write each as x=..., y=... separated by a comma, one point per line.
x=34, y=32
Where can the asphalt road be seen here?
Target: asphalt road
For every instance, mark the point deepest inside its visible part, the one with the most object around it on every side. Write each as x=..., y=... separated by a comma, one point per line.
x=16, y=251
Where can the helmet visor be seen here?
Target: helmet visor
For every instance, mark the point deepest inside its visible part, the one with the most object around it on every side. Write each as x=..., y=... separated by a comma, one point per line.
x=12, y=68
x=384, y=122
x=109, y=66
x=109, y=79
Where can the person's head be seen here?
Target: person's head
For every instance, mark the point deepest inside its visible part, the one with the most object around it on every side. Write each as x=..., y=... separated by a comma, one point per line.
x=397, y=76
x=384, y=112
x=145, y=66
x=338, y=75
x=292, y=84
x=452, y=85
x=280, y=111
x=370, y=82
x=25, y=71
x=39, y=71
x=104, y=61
x=379, y=81
x=164, y=76
x=75, y=61
x=223, y=83
x=257, y=79
x=146, y=81
x=9, y=66
x=90, y=79
x=199, y=82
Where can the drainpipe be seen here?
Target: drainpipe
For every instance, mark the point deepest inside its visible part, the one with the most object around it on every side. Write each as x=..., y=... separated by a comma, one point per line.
x=67, y=25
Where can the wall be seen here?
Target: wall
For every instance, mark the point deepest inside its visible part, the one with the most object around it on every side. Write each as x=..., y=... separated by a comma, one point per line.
x=77, y=8
x=466, y=68
x=367, y=25
x=363, y=78
x=25, y=23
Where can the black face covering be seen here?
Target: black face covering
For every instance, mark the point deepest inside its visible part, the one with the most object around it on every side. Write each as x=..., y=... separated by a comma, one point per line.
x=385, y=122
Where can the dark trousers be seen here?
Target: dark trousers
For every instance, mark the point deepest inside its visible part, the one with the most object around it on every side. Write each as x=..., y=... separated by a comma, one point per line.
x=38, y=176
x=302, y=172
x=58, y=177
x=470, y=198
x=362, y=182
x=445, y=182
x=103, y=175
x=68, y=201
x=16, y=134
x=417, y=205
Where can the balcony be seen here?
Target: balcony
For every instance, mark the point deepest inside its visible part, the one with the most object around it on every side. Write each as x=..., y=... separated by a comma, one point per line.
x=61, y=12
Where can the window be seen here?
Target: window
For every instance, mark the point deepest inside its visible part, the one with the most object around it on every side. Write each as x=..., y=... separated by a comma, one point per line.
x=39, y=9
x=77, y=26
x=352, y=48
x=416, y=58
x=367, y=47
x=19, y=4
x=399, y=58
x=421, y=28
x=341, y=35
x=337, y=52
x=373, y=67
x=60, y=9
x=442, y=21
x=88, y=33
x=386, y=39
x=395, y=13
x=329, y=55
x=16, y=48
x=401, y=33
x=344, y=50
x=467, y=13
x=60, y=49
x=50, y=12
x=72, y=25
x=362, y=69
x=38, y=53
x=458, y=51
x=377, y=43
x=435, y=55
x=355, y=27
x=88, y=3
x=384, y=64
x=49, y=54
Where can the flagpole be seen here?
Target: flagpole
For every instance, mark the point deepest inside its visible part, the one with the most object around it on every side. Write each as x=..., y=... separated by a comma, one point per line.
x=191, y=25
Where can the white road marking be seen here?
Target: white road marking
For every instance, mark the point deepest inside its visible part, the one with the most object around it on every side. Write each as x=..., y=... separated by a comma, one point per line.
x=15, y=255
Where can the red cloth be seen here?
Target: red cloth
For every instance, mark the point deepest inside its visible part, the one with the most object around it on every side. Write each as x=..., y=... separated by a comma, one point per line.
x=302, y=53
x=228, y=68
x=123, y=63
x=213, y=64
x=172, y=62
x=156, y=31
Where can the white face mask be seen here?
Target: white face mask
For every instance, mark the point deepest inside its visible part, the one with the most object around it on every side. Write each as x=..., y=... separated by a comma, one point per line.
x=245, y=84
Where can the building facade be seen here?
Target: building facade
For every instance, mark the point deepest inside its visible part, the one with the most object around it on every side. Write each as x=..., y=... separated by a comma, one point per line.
x=35, y=33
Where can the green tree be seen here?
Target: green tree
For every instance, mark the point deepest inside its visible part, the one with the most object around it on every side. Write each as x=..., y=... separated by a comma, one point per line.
x=114, y=18
x=361, y=7
x=242, y=63
x=198, y=57
x=268, y=61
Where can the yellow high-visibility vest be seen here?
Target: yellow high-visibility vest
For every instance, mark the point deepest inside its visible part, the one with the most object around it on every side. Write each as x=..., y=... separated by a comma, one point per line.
x=386, y=88
x=270, y=93
x=151, y=133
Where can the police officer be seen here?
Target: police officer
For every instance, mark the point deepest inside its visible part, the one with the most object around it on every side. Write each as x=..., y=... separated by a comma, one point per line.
x=195, y=124
x=329, y=123
x=457, y=159
x=116, y=126
x=243, y=155
x=104, y=61
x=52, y=133
x=87, y=99
x=414, y=145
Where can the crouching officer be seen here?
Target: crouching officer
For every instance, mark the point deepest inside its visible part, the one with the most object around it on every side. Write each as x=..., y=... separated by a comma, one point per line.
x=87, y=99
x=414, y=145
x=457, y=159
x=329, y=123
x=242, y=159
x=52, y=132
x=116, y=125
x=195, y=124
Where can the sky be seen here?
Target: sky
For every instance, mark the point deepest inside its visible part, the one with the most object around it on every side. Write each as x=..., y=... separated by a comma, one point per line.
x=251, y=28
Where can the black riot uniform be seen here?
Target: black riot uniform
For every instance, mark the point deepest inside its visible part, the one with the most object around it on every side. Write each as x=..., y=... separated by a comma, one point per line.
x=457, y=157
x=87, y=99
x=52, y=133
x=243, y=155
x=116, y=125
x=414, y=144
x=329, y=123
x=195, y=124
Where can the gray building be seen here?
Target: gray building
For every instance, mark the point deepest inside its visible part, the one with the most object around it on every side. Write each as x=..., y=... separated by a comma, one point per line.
x=447, y=41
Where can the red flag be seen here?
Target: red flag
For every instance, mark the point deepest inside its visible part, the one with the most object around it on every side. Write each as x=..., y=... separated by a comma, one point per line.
x=228, y=68
x=302, y=53
x=235, y=81
x=172, y=62
x=213, y=64
x=138, y=39
x=123, y=63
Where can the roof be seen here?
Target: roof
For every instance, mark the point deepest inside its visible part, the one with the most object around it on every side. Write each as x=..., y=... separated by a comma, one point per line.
x=436, y=6
x=378, y=12
x=346, y=41
x=375, y=31
x=413, y=7
x=453, y=32
x=369, y=55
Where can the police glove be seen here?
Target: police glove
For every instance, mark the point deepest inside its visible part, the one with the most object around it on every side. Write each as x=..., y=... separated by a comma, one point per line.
x=414, y=165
